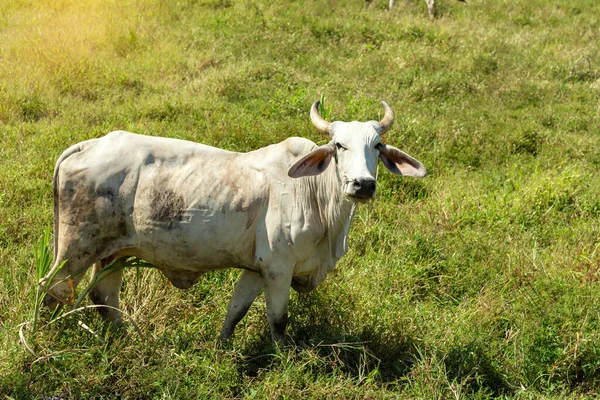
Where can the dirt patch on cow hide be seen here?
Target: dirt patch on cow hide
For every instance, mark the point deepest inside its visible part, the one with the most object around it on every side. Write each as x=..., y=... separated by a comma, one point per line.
x=167, y=206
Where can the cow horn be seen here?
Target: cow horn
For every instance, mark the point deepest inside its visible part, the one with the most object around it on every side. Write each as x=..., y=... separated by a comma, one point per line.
x=318, y=121
x=388, y=118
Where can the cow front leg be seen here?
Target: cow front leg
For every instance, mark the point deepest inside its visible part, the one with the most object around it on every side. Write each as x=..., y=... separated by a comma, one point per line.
x=277, y=296
x=106, y=291
x=246, y=290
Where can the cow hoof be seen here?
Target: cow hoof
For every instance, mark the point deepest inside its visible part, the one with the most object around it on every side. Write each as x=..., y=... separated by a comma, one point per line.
x=226, y=344
x=50, y=302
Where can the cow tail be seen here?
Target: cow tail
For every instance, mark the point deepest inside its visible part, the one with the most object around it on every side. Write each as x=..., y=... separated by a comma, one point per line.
x=55, y=184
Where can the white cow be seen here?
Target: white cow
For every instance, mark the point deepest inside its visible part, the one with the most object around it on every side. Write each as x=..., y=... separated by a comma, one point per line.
x=280, y=213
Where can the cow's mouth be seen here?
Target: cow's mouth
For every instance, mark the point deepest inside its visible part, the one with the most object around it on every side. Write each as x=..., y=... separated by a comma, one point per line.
x=359, y=198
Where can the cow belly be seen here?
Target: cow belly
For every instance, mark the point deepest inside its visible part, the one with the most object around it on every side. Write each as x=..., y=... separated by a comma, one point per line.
x=199, y=241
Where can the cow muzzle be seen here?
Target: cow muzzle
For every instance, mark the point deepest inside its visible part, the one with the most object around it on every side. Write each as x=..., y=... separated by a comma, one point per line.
x=361, y=189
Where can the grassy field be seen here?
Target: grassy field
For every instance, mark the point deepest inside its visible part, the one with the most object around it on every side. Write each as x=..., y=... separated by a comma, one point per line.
x=480, y=281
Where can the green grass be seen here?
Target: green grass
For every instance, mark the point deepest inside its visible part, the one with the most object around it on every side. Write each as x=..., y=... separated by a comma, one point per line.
x=480, y=281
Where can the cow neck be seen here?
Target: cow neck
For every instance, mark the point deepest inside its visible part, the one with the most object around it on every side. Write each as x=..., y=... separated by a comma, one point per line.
x=335, y=210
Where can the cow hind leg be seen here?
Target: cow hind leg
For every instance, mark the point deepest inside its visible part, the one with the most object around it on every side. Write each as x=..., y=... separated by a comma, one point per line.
x=60, y=284
x=105, y=291
x=246, y=290
x=77, y=249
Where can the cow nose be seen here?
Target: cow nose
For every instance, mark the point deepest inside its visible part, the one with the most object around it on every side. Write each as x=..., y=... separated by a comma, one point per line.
x=364, y=187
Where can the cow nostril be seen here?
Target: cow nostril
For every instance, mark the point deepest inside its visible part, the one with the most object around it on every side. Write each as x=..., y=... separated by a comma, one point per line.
x=366, y=184
x=364, y=188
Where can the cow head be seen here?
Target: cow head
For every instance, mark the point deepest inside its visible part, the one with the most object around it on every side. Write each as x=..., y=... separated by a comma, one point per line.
x=355, y=147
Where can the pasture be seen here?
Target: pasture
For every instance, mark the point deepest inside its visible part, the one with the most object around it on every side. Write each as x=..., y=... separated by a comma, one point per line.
x=480, y=281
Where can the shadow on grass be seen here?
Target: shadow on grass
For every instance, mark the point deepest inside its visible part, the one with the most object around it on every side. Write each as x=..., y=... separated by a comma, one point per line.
x=318, y=330
x=471, y=366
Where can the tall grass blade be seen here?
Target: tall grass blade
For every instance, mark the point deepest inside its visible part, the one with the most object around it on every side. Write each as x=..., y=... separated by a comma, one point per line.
x=42, y=266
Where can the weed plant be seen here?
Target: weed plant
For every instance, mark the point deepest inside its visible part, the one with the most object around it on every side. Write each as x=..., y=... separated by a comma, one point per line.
x=43, y=263
x=480, y=281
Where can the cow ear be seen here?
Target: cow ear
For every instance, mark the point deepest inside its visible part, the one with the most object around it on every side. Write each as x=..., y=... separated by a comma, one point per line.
x=400, y=163
x=313, y=163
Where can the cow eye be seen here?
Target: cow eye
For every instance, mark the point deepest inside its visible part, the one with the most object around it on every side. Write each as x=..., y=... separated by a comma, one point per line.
x=339, y=146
